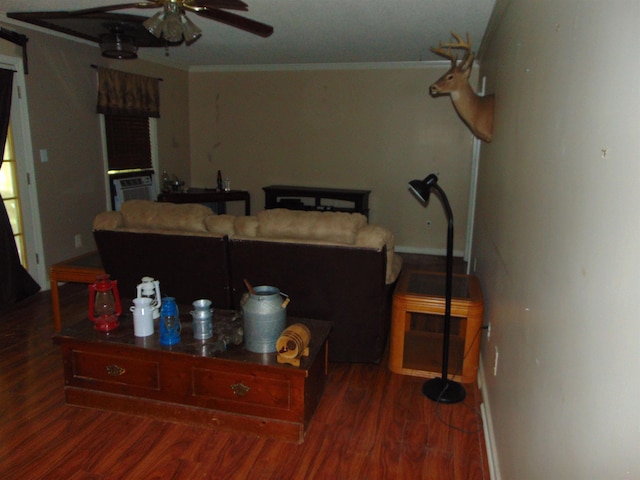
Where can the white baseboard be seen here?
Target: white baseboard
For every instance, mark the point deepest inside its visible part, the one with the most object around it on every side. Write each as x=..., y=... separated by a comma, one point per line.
x=442, y=252
x=487, y=424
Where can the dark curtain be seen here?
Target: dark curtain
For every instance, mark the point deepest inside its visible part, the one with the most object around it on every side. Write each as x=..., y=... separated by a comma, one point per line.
x=15, y=281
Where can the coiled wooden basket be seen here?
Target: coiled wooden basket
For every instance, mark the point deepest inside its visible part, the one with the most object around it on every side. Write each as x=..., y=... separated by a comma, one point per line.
x=293, y=344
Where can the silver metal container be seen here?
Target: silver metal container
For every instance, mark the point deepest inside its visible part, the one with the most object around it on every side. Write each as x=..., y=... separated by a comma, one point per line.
x=265, y=318
x=202, y=328
x=202, y=319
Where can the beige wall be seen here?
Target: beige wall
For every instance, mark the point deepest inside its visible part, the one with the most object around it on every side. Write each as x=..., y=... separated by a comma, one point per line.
x=61, y=100
x=556, y=239
x=61, y=89
x=373, y=129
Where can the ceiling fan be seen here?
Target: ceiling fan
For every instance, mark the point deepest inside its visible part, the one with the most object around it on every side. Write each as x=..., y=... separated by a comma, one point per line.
x=119, y=35
x=172, y=24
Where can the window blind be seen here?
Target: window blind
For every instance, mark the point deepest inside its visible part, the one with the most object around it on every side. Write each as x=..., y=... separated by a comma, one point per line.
x=128, y=142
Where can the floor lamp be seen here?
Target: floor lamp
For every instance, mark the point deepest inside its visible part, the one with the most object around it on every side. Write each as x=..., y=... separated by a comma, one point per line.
x=441, y=389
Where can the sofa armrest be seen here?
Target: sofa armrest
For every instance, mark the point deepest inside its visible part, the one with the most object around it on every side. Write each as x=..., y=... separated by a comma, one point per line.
x=376, y=236
x=108, y=221
x=396, y=267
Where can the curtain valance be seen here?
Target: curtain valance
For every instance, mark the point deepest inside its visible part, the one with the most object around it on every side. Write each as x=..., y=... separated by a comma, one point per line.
x=121, y=93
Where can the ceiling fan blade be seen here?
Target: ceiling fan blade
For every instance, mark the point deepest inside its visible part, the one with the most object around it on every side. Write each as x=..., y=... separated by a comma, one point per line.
x=224, y=4
x=120, y=6
x=237, y=21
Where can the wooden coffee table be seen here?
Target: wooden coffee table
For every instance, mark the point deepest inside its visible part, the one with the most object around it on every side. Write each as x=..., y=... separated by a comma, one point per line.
x=233, y=390
x=82, y=269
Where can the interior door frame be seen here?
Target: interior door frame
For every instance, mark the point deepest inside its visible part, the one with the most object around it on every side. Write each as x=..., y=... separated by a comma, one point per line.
x=27, y=187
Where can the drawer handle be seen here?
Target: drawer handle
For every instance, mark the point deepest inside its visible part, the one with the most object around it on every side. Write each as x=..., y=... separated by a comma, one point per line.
x=115, y=370
x=240, y=389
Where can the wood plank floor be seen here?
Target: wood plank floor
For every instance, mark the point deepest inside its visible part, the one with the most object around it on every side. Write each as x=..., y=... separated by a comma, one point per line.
x=370, y=424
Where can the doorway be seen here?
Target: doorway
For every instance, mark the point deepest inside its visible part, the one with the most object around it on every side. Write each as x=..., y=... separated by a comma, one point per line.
x=28, y=212
x=11, y=196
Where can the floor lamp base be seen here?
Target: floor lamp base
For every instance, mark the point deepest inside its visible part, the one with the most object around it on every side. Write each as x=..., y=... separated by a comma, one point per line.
x=443, y=391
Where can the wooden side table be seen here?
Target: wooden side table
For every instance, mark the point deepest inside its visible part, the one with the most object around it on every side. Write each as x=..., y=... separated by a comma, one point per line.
x=82, y=269
x=418, y=321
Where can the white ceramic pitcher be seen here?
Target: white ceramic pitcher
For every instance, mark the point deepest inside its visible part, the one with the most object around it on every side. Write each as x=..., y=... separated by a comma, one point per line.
x=142, y=310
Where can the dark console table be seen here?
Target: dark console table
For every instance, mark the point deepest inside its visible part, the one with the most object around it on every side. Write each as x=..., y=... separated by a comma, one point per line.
x=312, y=198
x=206, y=195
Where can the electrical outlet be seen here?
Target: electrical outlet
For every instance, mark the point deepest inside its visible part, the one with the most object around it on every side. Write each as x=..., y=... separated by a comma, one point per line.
x=77, y=239
x=495, y=363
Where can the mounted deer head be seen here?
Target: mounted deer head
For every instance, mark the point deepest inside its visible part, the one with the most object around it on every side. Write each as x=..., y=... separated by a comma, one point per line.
x=475, y=111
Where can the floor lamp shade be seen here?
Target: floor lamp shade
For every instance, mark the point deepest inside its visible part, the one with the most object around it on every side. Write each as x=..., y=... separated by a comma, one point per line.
x=441, y=389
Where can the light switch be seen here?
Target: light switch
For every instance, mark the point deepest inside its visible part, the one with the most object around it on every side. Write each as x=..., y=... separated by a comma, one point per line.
x=44, y=155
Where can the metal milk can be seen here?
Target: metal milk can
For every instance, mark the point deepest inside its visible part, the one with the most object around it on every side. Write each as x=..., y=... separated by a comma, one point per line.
x=265, y=318
x=202, y=319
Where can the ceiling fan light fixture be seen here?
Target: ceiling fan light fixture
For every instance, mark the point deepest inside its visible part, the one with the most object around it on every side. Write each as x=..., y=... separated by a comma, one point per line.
x=190, y=30
x=118, y=46
x=154, y=24
x=172, y=28
x=172, y=24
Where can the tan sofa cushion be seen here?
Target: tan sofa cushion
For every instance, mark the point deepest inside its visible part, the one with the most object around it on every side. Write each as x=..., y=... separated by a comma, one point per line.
x=246, y=226
x=220, y=224
x=145, y=214
x=338, y=227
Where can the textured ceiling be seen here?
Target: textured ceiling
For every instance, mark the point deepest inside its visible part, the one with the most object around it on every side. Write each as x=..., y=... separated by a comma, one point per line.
x=309, y=31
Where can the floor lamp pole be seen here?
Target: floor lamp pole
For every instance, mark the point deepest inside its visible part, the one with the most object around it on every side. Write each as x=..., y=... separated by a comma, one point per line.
x=442, y=389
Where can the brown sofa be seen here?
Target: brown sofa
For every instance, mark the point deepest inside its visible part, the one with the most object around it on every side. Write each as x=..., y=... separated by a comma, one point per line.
x=333, y=265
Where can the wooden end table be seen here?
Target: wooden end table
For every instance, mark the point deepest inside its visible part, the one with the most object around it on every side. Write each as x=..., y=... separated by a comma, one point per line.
x=417, y=325
x=190, y=382
x=82, y=269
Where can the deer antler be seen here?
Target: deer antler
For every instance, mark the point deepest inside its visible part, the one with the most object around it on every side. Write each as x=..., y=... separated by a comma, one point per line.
x=467, y=60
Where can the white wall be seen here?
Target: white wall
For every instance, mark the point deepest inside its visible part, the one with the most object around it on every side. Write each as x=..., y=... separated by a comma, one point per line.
x=556, y=239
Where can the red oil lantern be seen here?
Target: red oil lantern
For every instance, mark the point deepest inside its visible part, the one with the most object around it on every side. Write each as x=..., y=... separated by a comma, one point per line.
x=104, y=303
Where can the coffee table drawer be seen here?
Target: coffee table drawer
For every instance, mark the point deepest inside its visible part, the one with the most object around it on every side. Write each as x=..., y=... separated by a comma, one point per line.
x=243, y=390
x=112, y=372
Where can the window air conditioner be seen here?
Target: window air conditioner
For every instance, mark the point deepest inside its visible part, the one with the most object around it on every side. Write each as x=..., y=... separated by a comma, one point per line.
x=133, y=188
